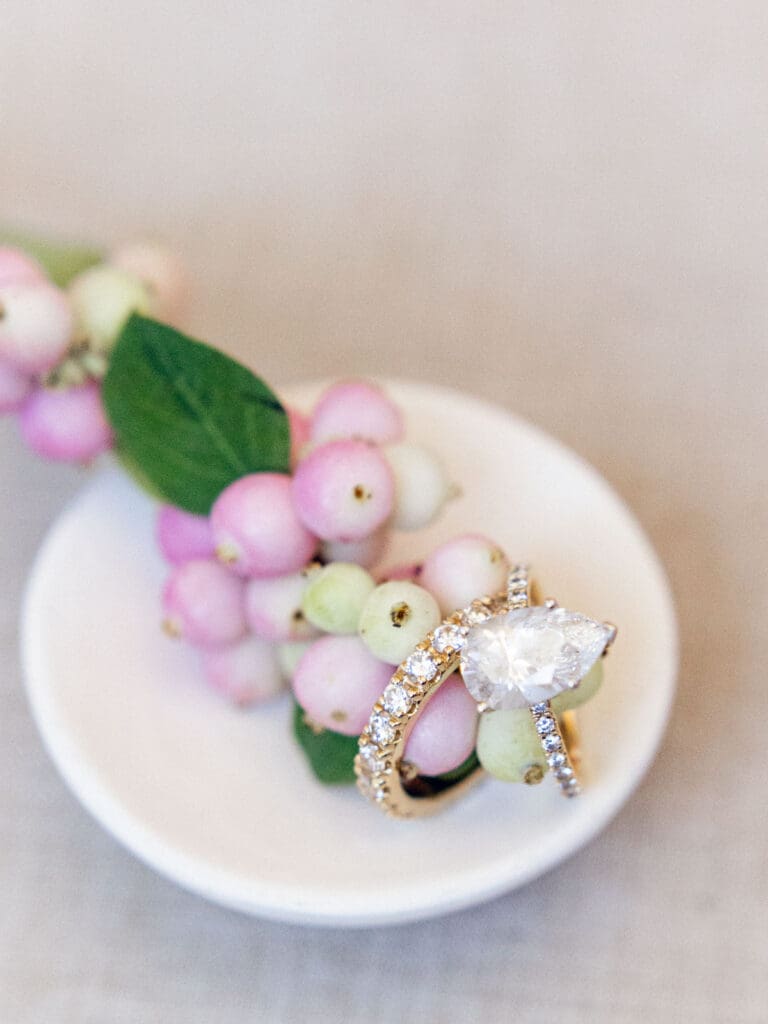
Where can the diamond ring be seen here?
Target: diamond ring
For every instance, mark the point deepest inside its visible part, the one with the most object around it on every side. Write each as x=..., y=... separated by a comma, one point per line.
x=512, y=653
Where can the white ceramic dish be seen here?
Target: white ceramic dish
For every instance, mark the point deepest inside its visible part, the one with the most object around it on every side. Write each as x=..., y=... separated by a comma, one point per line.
x=221, y=800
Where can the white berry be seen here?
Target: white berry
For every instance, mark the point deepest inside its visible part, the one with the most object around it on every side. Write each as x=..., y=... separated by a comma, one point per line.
x=422, y=486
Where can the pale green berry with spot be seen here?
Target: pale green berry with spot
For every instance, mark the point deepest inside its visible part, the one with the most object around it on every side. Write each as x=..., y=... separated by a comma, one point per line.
x=103, y=298
x=586, y=690
x=335, y=595
x=508, y=746
x=396, y=617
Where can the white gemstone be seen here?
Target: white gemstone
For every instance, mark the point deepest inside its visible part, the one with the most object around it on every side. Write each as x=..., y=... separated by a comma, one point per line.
x=421, y=667
x=369, y=789
x=529, y=655
x=396, y=699
x=556, y=760
x=551, y=742
x=475, y=614
x=545, y=725
x=381, y=729
x=369, y=755
x=448, y=638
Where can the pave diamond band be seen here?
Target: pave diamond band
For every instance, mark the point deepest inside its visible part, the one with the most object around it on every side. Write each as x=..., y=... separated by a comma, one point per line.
x=556, y=749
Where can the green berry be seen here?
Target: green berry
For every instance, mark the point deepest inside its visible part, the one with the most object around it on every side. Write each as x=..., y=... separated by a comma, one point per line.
x=335, y=596
x=102, y=299
x=508, y=746
x=397, y=616
x=289, y=655
x=586, y=690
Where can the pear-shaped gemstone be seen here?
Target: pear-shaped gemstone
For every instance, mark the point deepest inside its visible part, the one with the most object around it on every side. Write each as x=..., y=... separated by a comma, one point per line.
x=529, y=655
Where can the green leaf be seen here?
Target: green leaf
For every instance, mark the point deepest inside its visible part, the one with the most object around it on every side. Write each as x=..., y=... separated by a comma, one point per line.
x=188, y=420
x=61, y=261
x=330, y=754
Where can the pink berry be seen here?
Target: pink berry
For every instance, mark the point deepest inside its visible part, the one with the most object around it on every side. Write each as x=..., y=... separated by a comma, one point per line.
x=66, y=424
x=365, y=552
x=36, y=326
x=343, y=490
x=356, y=409
x=18, y=268
x=205, y=604
x=273, y=608
x=256, y=529
x=299, y=428
x=160, y=272
x=14, y=388
x=338, y=681
x=462, y=569
x=182, y=536
x=443, y=735
x=247, y=671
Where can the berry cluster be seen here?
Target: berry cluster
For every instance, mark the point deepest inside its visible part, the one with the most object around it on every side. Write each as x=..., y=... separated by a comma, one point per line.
x=55, y=342
x=279, y=584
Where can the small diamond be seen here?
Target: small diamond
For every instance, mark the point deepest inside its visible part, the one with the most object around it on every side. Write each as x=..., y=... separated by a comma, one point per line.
x=396, y=699
x=381, y=729
x=369, y=756
x=370, y=789
x=550, y=743
x=545, y=725
x=540, y=709
x=475, y=614
x=569, y=792
x=556, y=760
x=564, y=773
x=449, y=637
x=421, y=667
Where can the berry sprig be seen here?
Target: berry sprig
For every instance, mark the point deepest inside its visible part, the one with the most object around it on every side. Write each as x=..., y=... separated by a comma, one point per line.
x=55, y=338
x=275, y=521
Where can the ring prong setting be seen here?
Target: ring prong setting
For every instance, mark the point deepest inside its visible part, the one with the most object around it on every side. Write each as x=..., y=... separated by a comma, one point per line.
x=612, y=633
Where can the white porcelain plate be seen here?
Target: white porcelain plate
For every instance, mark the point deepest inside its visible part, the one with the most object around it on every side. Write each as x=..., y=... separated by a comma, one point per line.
x=222, y=802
